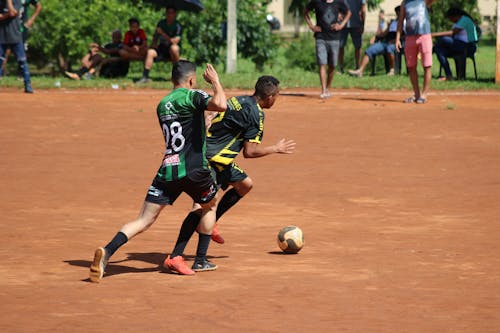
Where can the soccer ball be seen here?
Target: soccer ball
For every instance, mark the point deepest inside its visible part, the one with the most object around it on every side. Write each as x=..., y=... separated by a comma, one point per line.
x=290, y=239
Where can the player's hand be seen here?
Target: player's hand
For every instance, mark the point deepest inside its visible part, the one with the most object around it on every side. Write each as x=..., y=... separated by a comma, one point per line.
x=285, y=146
x=316, y=28
x=337, y=26
x=398, y=45
x=210, y=74
x=209, y=116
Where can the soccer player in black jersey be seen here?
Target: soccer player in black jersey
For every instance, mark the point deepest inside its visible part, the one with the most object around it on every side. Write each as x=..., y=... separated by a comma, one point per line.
x=184, y=167
x=240, y=128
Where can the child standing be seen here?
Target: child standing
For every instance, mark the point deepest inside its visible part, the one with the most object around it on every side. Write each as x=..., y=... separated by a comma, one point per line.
x=418, y=41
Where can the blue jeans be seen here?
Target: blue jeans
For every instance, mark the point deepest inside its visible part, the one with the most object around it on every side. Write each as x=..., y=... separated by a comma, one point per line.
x=18, y=49
x=379, y=48
x=447, y=47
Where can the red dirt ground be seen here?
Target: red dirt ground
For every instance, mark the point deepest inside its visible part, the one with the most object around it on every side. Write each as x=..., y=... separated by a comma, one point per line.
x=399, y=205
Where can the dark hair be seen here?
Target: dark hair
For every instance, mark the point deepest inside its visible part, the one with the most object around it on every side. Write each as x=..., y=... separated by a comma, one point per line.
x=397, y=9
x=181, y=70
x=266, y=86
x=170, y=7
x=454, y=11
x=133, y=20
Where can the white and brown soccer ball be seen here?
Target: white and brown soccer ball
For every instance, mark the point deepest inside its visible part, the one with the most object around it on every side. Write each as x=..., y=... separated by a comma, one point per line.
x=290, y=239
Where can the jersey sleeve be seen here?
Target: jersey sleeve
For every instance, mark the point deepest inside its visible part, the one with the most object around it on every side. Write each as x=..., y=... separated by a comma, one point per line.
x=254, y=130
x=200, y=99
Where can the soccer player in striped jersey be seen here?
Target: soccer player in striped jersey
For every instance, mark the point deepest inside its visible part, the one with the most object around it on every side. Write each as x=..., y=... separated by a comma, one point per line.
x=240, y=128
x=184, y=167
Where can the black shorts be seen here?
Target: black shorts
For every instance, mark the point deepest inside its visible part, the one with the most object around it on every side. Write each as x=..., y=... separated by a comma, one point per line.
x=199, y=185
x=114, y=69
x=163, y=51
x=226, y=174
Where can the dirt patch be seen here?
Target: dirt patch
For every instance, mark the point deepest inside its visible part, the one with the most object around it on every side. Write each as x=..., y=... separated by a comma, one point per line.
x=398, y=204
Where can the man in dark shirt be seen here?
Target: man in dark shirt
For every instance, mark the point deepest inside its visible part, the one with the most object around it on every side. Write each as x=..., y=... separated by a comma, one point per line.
x=331, y=17
x=166, y=43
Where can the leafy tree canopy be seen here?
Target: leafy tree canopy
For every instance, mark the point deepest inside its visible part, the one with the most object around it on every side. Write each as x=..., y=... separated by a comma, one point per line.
x=65, y=28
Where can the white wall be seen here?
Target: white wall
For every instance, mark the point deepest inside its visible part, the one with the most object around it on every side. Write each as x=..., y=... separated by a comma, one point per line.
x=279, y=8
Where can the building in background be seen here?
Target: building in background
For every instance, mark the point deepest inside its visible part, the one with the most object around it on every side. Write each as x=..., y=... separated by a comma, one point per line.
x=279, y=9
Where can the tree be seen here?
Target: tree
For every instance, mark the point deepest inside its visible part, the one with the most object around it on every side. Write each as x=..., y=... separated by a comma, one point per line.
x=64, y=29
x=207, y=41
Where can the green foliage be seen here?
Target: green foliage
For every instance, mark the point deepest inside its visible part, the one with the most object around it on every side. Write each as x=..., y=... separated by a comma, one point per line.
x=207, y=43
x=301, y=53
x=439, y=21
x=64, y=29
x=203, y=33
x=255, y=39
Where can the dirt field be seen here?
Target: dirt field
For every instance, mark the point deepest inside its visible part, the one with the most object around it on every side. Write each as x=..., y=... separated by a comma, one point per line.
x=399, y=205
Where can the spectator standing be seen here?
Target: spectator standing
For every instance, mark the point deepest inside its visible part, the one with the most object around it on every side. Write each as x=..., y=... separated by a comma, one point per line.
x=27, y=22
x=331, y=18
x=166, y=43
x=11, y=37
x=461, y=38
x=135, y=43
x=355, y=28
x=418, y=41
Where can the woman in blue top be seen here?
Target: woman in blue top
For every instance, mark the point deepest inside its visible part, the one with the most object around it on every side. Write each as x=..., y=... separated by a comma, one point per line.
x=462, y=38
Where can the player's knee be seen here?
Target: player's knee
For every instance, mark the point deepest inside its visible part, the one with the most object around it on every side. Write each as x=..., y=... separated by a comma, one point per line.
x=243, y=187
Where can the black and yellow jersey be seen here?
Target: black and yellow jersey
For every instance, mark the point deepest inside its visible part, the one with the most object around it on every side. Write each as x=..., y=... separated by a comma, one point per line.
x=242, y=121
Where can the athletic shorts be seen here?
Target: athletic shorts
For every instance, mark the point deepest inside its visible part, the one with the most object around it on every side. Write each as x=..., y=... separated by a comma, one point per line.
x=199, y=185
x=418, y=44
x=356, y=37
x=327, y=52
x=163, y=51
x=226, y=174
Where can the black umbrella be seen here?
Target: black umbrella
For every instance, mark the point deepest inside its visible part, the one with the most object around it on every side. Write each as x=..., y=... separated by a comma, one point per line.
x=187, y=5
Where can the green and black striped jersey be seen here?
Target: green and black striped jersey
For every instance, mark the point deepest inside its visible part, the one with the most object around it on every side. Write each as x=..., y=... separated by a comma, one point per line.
x=181, y=117
x=242, y=121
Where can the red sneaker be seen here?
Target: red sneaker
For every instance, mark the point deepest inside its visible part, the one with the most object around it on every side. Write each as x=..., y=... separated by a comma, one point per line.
x=178, y=265
x=216, y=237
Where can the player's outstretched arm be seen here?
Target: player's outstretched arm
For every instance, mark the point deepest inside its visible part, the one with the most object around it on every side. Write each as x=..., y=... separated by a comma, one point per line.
x=254, y=150
x=218, y=101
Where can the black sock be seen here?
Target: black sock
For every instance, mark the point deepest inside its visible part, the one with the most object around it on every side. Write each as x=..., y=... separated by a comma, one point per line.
x=229, y=199
x=187, y=229
x=145, y=73
x=119, y=239
x=202, y=249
